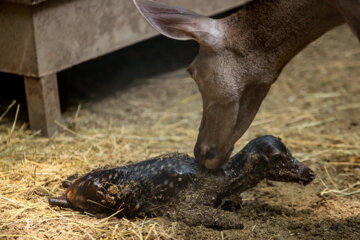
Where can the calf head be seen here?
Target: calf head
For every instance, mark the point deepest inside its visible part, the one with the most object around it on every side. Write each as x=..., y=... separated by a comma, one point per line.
x=277, y=163
x=231, y=92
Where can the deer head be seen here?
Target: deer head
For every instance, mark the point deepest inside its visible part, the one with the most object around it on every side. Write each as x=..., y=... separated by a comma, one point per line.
x=231, y=92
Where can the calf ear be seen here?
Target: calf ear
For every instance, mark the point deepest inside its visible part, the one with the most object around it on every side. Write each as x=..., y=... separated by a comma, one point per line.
x=178, y=23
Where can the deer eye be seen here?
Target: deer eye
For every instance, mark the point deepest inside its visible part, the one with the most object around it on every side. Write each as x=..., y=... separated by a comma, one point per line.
x=189, y=71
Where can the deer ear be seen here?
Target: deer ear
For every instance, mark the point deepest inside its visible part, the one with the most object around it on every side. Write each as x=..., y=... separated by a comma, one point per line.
x=177, y=23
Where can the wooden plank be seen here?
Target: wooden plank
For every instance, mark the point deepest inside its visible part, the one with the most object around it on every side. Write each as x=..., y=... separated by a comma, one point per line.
x=71, y=32
x=43, y=103
x=17, y=40
x=41, y=39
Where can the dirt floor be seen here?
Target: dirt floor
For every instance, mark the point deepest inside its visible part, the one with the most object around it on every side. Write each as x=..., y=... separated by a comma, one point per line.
x=314, y=107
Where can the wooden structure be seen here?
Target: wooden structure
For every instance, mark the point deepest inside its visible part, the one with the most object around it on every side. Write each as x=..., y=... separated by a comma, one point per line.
x=39, y=38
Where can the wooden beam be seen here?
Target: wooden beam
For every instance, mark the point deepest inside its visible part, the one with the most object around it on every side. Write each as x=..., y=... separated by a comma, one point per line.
x=43, y=103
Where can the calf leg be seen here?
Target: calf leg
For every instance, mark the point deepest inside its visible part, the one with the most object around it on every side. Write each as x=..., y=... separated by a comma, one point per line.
x=206, y=216
x=230, y=203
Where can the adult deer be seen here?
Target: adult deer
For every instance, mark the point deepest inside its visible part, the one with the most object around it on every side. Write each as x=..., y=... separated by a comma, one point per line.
x=242, y=55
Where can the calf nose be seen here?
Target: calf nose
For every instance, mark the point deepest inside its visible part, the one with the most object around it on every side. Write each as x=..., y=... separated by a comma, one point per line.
x=311, y=175
x=308, y=176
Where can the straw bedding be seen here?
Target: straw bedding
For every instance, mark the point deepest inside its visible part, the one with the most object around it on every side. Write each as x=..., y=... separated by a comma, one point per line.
x=314, y=107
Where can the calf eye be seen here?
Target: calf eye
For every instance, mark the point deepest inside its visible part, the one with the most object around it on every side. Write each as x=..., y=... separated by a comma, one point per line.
x=278, y=157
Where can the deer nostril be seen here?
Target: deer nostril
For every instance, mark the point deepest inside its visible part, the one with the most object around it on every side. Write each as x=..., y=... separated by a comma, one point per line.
x=210, y=153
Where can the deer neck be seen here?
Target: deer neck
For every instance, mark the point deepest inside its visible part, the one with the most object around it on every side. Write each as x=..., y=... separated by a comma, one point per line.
x=270, y=33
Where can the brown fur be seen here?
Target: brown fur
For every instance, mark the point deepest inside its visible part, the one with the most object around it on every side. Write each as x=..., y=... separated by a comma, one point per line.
x=242, y=55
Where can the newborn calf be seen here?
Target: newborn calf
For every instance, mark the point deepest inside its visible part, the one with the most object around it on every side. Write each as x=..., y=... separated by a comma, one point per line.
x=176, y=186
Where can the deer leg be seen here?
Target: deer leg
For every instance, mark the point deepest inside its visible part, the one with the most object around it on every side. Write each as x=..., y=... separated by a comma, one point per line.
x=43, y=103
